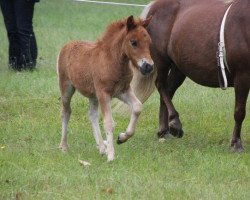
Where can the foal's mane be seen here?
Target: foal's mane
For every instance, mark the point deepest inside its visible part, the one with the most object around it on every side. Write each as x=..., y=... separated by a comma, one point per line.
x=112, y=30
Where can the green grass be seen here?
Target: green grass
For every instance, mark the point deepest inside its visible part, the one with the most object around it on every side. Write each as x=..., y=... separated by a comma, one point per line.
x=198, y=166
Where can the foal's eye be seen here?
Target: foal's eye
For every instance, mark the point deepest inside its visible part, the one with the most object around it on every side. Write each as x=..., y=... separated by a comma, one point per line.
x=133, y=43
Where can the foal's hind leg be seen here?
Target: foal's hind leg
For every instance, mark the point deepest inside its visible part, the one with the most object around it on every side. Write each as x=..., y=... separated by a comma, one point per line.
x=241, y=93
x=67, y=91
x=94, y=117
x=130, y=99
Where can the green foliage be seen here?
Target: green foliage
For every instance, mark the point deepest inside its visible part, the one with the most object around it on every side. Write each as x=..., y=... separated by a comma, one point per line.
x=198, y=166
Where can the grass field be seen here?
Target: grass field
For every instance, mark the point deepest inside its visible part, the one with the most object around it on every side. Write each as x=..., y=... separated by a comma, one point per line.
x=198, y=166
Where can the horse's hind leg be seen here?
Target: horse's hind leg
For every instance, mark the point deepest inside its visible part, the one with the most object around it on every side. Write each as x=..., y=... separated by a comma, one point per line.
x=241, y=93
x=67, y=91
x=94, y=118
x=130, y=99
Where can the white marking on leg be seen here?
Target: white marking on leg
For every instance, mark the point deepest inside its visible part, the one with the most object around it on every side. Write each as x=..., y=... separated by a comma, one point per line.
x=65, y=115
x=94, y=118
x=65, y=120
x=108, y=124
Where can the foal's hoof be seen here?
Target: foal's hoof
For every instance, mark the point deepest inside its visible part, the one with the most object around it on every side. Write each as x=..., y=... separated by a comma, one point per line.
x=102, y=150
x=111, y=158
x=236, y=146
x=64, y=147
x=121, y=138
x=119, y=141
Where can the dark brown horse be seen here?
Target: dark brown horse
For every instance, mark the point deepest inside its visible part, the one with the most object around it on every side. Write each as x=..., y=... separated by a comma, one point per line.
x=185, y=36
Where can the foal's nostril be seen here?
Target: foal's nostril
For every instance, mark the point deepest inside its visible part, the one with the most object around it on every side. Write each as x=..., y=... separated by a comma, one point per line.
x=146, y=68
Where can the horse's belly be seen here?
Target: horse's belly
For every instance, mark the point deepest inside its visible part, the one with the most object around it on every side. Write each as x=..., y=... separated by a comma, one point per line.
x=202, y=76
x=194, y=44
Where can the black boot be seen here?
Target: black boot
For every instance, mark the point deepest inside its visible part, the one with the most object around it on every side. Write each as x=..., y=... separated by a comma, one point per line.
x=13, y=64
x=28, y=63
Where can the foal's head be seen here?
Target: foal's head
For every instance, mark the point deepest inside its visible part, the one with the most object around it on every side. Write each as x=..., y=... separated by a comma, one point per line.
x=137, y=43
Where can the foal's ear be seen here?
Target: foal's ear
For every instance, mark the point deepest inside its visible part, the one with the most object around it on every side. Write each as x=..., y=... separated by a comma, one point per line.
x=146, y=22
x=131, y=23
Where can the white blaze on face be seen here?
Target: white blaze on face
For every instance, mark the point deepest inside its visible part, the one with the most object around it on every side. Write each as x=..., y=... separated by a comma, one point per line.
x=144, y=60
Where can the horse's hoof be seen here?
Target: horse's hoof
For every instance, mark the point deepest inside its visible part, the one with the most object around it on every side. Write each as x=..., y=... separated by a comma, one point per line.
x=162, y=134
x=236, y=146
x=175, y=132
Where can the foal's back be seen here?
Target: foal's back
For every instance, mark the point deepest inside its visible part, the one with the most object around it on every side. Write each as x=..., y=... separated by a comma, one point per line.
x=75, y=66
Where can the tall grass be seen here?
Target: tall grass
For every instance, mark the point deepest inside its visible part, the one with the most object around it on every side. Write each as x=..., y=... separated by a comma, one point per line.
x=198, y=166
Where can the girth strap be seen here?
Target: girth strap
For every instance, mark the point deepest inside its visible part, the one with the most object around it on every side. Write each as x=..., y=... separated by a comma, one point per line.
x=222, y=61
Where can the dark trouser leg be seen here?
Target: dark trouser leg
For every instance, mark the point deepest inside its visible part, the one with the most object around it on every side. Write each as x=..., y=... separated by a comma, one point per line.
x=24, y=13
x=8, y=12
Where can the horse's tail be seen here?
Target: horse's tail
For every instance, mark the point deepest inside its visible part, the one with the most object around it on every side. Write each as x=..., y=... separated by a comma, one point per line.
x=145, y=11
x=143, y=86
x=57, y=63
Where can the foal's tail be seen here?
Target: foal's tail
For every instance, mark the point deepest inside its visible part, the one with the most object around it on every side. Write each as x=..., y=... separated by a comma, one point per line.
x=145, y=11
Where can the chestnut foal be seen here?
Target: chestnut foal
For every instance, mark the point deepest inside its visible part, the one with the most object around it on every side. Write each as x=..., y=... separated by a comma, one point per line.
x=101, y=71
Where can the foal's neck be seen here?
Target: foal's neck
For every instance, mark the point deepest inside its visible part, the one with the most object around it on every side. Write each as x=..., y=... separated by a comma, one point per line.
x=112, y=44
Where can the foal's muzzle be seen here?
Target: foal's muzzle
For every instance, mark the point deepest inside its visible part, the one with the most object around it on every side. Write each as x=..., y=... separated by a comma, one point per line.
x=146, y=68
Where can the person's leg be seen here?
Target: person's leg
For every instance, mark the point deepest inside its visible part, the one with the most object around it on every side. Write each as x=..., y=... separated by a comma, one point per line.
x=24, y=14
x=8, y=12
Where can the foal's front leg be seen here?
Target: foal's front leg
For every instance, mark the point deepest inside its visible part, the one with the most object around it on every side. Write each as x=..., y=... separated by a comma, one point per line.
x=136, y=106
x=104, y=101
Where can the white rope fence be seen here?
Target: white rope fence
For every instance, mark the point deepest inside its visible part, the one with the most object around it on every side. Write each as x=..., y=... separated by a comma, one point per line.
x=112, y=3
